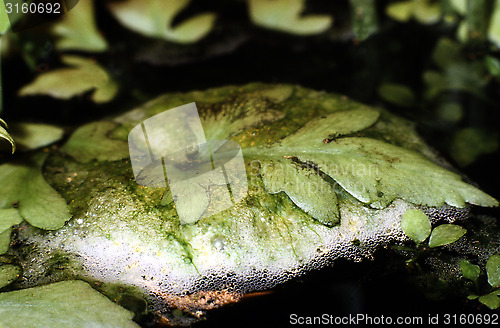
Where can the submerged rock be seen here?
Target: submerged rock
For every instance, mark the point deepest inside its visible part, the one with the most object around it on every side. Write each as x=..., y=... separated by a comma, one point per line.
x=327, y=177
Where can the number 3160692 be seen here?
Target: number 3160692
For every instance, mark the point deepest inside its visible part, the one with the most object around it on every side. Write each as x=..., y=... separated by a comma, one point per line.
x=33, y=8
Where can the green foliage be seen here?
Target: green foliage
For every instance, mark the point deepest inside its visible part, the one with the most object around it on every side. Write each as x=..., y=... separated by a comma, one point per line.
x=5, y=135
x=416, y=225
x=470, y=143
x=4, y=19
x=154, y=18
x=397, y=94
x=35, y=135
x=424, y=11
x=8, y=274
x=77, y=30
x=285, y=16
x=24, y=186
x=490, y=300
x=62, y=304
x=8, y=218
x=445, y=234
x=493, y=270
x=91, y=142
x=469, y=270
x=65, y=83
x=472, y=272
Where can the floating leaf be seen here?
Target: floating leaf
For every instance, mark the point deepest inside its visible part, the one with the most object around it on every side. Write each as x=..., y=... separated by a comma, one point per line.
x=416, y=225
x=154, y=18
x=493, y=270
x=490, y=300
x=77, y=30
x=494, y=28
x=469, y=270
x=470, y=143
x=8, y=274
x=4, y=18
x=397, y=94
x=35, y=135
x=5, y=135
x=8, y=218
x=64, y=83
x=303, y=184
x=91, y=142
x=38, y=203
x=62, y=304
x=446, y=234
x=364, y=16
x=285, y=16
x=424, y=11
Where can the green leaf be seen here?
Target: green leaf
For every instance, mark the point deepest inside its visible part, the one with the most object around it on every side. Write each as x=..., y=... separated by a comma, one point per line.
x=8, y=218
x=77, y=30
x=91, y=142
x=305, y=188
x=4, y=19
x=494, y=27
x=416, y=225
x=5, y=240
x=64, y=83
x=8, y=274
x=469, y=270
x=5, y=135
x=472, y=297
x=154, y=18
x=470, y=143
x=38, y=202
x=62, y=304
x=424, y=11
x=285, y=16
x=493, y=65
x=493, y=270
x=490, y=300
x=397, y=94
x=446, y=234
x=35, y=135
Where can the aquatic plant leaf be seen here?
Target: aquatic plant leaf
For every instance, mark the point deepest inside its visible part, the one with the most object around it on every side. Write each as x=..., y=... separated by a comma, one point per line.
x=446, y=234
x=376, y=172
x=469, y=270
x=91, y=142
x=494, y=27
x=490, y=300
x=493, y=270
x=285, y=16
x=5, y=240
x=8, y=274
x=307, y=189
x=416, y=225
x=77, y=30
x=397, y=94
x=154, y=18
x=63, y=304
x=35, y=135
x=470, y=143
x=493, y=65
x=64, y=83
x=39, y=204
x=5, y=135
x=4, y=19
x=8, y=218
x=423, y=11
